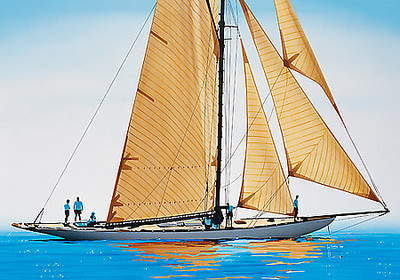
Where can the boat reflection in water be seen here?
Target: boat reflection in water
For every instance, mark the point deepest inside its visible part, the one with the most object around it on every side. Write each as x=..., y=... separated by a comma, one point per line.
x=274, y=259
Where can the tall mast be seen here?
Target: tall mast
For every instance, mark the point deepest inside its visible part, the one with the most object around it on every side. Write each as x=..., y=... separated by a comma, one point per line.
x=218, y=217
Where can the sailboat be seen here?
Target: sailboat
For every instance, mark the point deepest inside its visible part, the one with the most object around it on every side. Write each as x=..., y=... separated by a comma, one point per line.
x=168, y=184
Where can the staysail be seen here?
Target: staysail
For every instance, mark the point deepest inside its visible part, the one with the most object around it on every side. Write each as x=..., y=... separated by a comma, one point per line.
x=264, y=185
x=312, y=151
x=166, y=168
x=297, y=52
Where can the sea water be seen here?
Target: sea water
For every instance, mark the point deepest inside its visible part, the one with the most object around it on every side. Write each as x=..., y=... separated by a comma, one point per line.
x=346, y=255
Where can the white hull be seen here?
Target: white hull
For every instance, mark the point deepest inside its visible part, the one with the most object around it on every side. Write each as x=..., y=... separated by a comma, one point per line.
x=280, y=231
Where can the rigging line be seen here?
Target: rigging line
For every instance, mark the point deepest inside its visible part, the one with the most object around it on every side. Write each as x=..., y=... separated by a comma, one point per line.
x=230, y=90
x=203, y=199
x=227, y=95
x=268, y=202
x=212, y=16
x=98, y=108
x=356, y=224
x=186, y=130
x=231, y=96
x=367, y=170
x=234, y=93
x=272, y=197
x=354, y=217
x=227, y=85
x=234, y=15
x=236, y=52
x=270, y=115
x=259, y=110
x=233, y=181
x=229, y=104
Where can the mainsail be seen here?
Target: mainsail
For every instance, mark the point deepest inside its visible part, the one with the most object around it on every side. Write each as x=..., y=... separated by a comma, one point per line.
x=297, y=52
x=312, y=151
x=166, y=167
x=264, y=185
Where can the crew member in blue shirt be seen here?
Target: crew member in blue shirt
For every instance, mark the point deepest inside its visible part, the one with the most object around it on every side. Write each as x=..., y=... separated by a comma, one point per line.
x=92, y=220
x=229, y=216
x=296, y=207
x=207, y=222
x=78, y=208
x=66, y=210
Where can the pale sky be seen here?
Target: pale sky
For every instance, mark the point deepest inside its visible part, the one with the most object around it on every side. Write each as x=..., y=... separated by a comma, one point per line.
x=58, y=57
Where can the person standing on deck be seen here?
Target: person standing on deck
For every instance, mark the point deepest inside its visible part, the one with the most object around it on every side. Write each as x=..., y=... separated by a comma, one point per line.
x=66, y=210
x=229, y=216
x=296, y=207
x=207, y=222
x=78, y=208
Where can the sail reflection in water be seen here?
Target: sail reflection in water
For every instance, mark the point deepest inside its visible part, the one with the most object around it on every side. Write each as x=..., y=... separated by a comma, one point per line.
x=184, y=256
x=273, y=259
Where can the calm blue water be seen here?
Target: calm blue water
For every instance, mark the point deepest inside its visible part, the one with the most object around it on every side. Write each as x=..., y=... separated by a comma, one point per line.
x=343, y=256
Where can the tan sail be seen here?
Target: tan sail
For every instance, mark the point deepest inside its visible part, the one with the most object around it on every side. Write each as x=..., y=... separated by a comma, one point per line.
x=297, y=52
x=166, y=164
x=312, y=151
x=264, y=185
